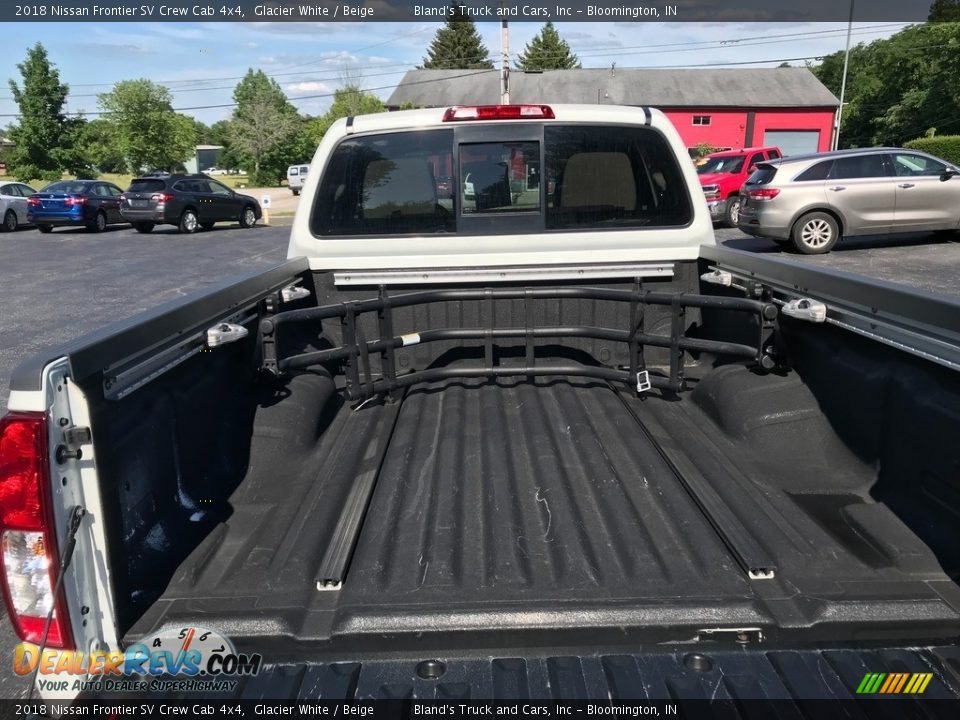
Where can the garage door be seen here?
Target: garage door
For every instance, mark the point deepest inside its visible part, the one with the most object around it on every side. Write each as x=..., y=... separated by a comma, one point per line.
x=793, y=142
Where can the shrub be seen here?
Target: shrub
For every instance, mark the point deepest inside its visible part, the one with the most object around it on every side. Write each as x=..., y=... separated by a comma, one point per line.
x=943, y=146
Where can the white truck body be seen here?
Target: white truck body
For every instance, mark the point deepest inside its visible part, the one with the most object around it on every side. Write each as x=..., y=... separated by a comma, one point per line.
x=568, y=252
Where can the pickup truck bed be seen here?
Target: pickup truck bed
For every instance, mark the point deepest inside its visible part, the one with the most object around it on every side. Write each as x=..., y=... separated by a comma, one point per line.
x=565, y=506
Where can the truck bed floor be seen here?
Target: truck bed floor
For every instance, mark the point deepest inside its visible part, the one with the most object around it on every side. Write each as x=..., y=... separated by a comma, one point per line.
x=510, y=491
x=555, y=506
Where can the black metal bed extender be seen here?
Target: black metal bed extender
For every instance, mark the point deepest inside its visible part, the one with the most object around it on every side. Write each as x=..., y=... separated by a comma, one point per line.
x=356, y=349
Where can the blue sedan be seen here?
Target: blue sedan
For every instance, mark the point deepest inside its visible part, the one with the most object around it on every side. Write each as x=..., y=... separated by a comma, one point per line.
x=91, y=203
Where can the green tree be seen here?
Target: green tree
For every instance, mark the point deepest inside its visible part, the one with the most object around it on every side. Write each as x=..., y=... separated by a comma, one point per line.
x=944, y=11
x=457, y=45
x=265, y=130
x=98, y=143
x=220, y=135
x=348, y=101
x=547, y=51
x=899, y=87
x=149, y=134
x=44, y=136
x=703, y=149
x=203, y=133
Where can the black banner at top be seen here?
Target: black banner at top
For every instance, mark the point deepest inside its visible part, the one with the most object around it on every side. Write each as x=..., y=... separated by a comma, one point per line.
x=537, y=11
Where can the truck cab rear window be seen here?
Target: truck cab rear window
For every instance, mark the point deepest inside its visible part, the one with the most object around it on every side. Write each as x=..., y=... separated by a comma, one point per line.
x=612, y=177
x=500, y=177
x=390, y=184
x=579, y=177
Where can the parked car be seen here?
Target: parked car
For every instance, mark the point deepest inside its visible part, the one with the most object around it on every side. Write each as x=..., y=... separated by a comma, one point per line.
x=722, y=175
x=815, y=200
x=187, y=201
x=215, y=171
x=296, y=177
x=13, y=205
x=92, y=203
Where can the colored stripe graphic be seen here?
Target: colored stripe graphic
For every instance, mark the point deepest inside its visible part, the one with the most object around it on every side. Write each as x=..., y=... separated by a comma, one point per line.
x=894, y=683
x=903, y=681
x=862, y=687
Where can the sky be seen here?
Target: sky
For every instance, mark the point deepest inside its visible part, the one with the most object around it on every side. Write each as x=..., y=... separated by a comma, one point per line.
x=202, y=62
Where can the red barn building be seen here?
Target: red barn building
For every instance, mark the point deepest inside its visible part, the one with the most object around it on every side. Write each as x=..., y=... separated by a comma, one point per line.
x=787, y=107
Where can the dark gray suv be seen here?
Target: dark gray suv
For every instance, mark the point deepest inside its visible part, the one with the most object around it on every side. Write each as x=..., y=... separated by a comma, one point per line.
x=188, y=201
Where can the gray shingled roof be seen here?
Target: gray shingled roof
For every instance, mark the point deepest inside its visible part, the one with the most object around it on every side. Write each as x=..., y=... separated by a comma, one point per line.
x=752, y=88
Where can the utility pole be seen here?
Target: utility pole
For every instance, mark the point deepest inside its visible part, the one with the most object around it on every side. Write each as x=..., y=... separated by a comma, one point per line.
x=843, y=83
x=504, y=57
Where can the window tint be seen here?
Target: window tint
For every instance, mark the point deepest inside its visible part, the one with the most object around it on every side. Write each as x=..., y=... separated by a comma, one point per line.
x=387, y=184
x=725, y=164
x=816, y=172
x=113, y=191
x=145, y=186
x=908, y=165
x=216, y=188
x=9, y=190
x=858, y=166
x=612, y=177
x=101, y=191
x=191, y=186
x=774, y=154
x=304, y=169
x=763, y=175
x=495, y=177
x=67, y=187
x=754, y=159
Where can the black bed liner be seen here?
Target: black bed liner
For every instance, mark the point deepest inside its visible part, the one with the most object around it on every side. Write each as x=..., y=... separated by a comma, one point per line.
x=794, y=682
x=553, y=509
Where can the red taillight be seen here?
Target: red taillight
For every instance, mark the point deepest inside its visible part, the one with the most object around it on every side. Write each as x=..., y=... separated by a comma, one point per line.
x=75, y=200
x=162, y=197
x=33, y=202
x=27, y=537
x=764, y=194
x=498, y=112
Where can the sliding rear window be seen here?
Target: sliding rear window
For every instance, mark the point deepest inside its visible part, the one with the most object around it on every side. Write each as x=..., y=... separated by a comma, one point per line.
x=504, y=180
x=390, y=184
x=612, y=177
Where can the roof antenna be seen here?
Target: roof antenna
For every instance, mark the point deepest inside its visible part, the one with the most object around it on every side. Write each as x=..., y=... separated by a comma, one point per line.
x=613, y=68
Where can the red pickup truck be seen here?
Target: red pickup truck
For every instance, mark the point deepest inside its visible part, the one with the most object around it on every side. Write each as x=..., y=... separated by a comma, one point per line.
x=724, y=173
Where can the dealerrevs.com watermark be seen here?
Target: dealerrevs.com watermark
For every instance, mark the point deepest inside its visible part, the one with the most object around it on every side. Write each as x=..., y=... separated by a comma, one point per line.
x=191, y=659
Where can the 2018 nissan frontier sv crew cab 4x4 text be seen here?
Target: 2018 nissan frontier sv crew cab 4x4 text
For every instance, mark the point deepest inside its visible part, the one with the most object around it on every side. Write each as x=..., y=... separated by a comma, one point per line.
x=532, y=431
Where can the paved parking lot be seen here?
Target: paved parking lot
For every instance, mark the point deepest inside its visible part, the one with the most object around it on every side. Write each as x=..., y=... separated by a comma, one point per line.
x=925, y=261
x=58, y=286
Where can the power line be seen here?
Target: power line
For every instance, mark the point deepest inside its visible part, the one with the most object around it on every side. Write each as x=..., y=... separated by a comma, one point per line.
x=293, y=99
x=723, y=44
x=708, y=45
x=174, y=91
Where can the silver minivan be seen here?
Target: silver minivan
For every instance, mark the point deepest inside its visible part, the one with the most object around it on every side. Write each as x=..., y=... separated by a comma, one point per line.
x=812, y=201
x=296, y=177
